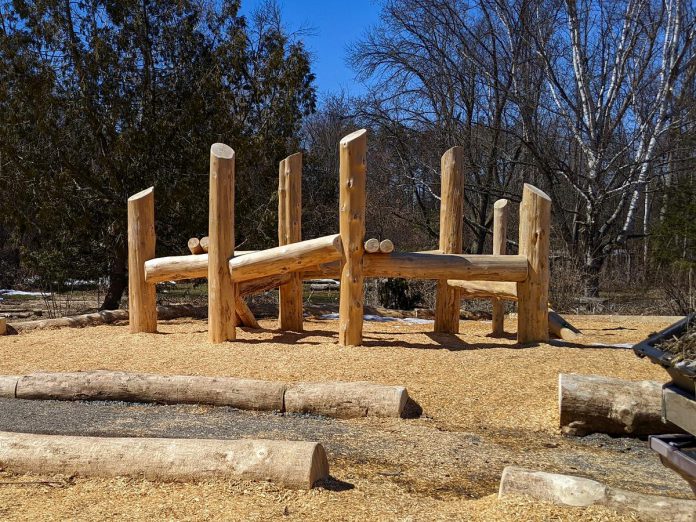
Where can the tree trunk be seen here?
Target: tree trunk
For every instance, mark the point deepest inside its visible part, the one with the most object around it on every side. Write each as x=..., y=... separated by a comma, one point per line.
x=118, y=280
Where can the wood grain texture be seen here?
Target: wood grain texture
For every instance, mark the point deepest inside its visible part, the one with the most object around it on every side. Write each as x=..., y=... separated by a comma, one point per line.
x=290, y=231
x=447, y=300
x=568, y=490
x=222, y=293
x=596, y=404
x=533, y=293
x=103, y=385
x=371, y=246
x=142, y=302
x=386, y=246
x=346, y=399
x=352, y=173
x=500, y=221
x=285, y=259
x=194, y=246
x=292, y=464
x=422, y=265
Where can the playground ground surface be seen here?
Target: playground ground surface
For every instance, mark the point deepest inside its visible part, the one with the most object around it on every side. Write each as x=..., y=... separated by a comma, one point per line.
x=487, y=404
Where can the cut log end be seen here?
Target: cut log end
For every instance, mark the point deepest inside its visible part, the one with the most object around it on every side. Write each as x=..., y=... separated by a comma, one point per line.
x=204, y=242
x=194, y=246
x=222, y=151
x=372, y=245
x=142, y=194
x=386, y=246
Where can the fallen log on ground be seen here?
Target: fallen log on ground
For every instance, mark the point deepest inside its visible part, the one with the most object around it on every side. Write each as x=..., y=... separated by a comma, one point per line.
x=109, y=316
x=293, y=464
x=346, y=399
x=333, y=399
x=596, y=404
x=581, y=492
x=102, y=385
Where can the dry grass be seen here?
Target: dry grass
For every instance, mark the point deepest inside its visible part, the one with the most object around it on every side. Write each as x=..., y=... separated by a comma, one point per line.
x=469, y=383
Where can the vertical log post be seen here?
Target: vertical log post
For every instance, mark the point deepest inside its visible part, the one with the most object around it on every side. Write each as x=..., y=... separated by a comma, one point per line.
x=290, y=231
x=142, y=304
x=500, y=219
x=451, y=217
x=533, y=294
x=352, y=156
x=222, y=294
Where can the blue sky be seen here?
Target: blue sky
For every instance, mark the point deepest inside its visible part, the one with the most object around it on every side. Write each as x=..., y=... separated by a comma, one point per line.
x=332, y=25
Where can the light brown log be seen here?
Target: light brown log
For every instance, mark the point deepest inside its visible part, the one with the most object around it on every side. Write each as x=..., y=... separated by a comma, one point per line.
x=3, y=326
x=204, y=242
x=244, y=315
x=417, y=265
x=142, y=304
x=194, y=246
x=222, y=292
x=346, y=399
x=447, y=300
x=107, y=317
x=582, y=492
x=103, y=385
x=180, y=268
x=290, y=231
x=503, y=291
x=500, y=219
x=294, y=464
x=352, y=171
x=285, y=259
x=486, y=289
x=371, y=245
x=8, y=386
x=561, y=328
x=386, y=246
x=533, y=293
x=596, y=404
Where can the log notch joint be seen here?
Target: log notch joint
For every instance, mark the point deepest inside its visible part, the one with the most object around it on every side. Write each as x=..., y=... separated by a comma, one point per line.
x=142, y=302
x=533, y=292
x=290, y=231
x=451, y=216
x=352, y=157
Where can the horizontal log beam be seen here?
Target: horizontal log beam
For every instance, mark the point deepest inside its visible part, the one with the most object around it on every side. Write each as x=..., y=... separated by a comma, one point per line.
x=293, y=464
x=421, y=265
x=485, y=289
x=179, y=268
x=286, y=259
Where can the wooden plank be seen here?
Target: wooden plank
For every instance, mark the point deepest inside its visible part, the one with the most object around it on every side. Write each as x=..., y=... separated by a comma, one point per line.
x=679, y=408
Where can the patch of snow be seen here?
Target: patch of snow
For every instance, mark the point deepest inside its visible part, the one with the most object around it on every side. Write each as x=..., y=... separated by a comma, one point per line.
x=19, y=292
x=382, y=319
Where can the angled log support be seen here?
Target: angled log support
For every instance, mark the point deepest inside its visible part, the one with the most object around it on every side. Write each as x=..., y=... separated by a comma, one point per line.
x=142, y=304
x=290, y=231
x=451, y=218
x=352, y=155
x=222, y=293
x=533, y=292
